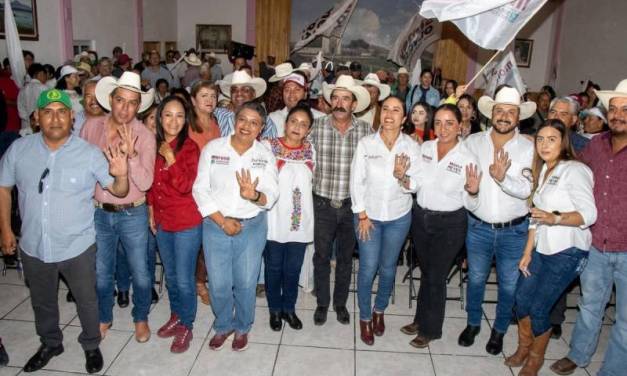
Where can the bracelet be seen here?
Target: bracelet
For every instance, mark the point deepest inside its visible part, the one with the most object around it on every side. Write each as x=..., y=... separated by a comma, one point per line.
x=257, y=198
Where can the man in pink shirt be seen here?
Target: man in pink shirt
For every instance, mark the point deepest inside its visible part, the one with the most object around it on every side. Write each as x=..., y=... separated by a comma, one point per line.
x=123, y=221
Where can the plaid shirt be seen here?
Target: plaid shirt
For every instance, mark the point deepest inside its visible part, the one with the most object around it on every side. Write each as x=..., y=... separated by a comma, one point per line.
x=334, y=154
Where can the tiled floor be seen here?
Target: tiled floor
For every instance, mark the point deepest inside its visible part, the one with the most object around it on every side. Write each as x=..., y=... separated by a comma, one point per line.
x=332, y=349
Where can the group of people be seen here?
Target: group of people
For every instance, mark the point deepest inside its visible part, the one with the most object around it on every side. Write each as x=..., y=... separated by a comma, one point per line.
x=217, y=185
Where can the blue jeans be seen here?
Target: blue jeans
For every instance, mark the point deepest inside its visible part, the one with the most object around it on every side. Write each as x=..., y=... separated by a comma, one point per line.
x=283, y=262
x=233, y=264
x=603, y=270
x=179, y=252
x=122, y=274
x=379, y=254
x=130, y=229
x=483, y=243
x=549, y=276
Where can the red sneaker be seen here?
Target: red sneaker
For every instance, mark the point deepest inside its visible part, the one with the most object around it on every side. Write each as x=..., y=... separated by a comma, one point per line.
x=169, y=328
x=182, y=339
x=240, y=343
x=217, y=342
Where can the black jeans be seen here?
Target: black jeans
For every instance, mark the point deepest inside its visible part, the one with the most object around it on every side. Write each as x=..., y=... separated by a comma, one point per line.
x=438, y=238
x=43, y=281
x=331, y=224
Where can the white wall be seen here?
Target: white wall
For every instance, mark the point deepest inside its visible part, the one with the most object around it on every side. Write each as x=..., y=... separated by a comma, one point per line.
x=160, y=20
x=593, y=44
x=192, y=12
x=110, y=23
x=48, y=48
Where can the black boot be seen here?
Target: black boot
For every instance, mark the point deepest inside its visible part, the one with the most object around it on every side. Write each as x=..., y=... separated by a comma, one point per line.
x=93, y=360
x=495, y=343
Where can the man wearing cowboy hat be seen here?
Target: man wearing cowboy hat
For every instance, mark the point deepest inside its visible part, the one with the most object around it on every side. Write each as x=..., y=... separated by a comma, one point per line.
x=123, y=220
x=498, y=227
x=192, y=73
x=335, y=138
x=294, y=88
x=55, y=173
x=401, y=87
x=378, y=92
x=606, y=155
x=240, y=87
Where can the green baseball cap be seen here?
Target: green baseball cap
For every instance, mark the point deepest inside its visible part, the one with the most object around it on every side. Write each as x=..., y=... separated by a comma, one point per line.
x=52, y=96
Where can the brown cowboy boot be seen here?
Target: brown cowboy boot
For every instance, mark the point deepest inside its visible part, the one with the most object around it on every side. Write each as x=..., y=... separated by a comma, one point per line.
x=525, y=339
x=536, y=355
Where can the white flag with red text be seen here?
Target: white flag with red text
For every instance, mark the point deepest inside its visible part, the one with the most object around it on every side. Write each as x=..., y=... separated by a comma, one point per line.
x=504, y=72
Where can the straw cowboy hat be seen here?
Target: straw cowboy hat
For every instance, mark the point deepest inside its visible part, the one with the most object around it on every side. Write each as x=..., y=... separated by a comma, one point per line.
x=403, y=70
x=507, y=95
x=192, y=59
x=241, y=78
x=129, y=81
x=373, y=80
x=285, y=70
x=348, y=83
x=606, y=95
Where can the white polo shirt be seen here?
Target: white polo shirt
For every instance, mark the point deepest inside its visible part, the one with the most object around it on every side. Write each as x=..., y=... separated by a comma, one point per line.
x=440, y=183
x=507, y=200
x=568, y=188
x=216, y=187
x=373, y=187
x=279, y=117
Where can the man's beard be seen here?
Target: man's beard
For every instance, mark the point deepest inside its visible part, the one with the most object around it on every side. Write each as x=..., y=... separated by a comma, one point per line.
x=501, y=131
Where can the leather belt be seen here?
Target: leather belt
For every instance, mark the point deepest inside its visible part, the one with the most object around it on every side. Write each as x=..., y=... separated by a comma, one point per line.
x=513, y=222
x=114, y=208
x=335, y=204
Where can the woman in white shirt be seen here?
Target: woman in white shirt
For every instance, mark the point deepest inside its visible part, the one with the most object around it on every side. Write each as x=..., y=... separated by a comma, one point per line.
x=237, y=182
x=382, y=212
x=290, y=221
x=70, y=83
x=447, y=184
x=558, y=241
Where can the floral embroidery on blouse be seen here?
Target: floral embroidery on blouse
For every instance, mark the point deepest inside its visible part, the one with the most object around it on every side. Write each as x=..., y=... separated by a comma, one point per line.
x=281, y=152
x=297, y=210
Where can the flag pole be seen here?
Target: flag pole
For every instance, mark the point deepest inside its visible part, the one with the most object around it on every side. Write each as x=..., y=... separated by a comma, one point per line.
x=483, y=68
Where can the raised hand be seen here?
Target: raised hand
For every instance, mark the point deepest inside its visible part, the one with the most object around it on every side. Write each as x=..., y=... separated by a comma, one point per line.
x=247, y=187
x=118, y=161
x=401, y=165
x=127, y=140
x=165, y=150
x=501, y=164
x=473, y=179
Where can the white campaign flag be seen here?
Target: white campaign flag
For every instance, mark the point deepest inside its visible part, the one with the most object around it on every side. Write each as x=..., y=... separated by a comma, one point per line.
x=504, y=72
x=415, y=73
x=417, y=35
x=330, y=24
x=492, y=29
x=14, y=49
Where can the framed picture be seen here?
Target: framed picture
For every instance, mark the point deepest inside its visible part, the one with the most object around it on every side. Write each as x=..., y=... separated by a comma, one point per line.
x=213, y=38
x=522, y=52
x=25, y=13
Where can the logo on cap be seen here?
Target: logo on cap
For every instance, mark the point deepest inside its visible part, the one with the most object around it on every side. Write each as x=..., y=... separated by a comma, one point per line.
x=54, y=95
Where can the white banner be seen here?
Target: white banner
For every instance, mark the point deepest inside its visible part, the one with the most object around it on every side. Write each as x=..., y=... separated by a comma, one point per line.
x=492, y=29
x=504, y=72
x=417, y=35
x=331, y=23
x=14, y=49
x=445, y=10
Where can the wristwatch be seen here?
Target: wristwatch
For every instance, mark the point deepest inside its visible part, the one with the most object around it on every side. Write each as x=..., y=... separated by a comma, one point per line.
x=558, y=217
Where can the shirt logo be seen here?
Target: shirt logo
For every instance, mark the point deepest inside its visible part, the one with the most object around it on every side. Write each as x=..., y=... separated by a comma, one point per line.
x=454, y=168
x=553, y=180
x=259, y=163
x=220, y=160
x=373, y=157
x=427, y=158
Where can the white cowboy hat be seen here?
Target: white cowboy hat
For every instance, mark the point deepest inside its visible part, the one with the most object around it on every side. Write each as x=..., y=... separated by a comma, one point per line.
x=402, y=70
x=507, y=95
x=129, y=81
x=192, y=59
x=242, y=78
x=373, y=80
x=606, y=95
x=281, y=71
x=306, y=68
x=347, y=82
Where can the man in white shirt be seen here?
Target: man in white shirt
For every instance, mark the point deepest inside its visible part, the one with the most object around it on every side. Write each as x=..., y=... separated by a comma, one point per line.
x=498, y=226
x=27, y=98
x=378, y=92
x=295, y=89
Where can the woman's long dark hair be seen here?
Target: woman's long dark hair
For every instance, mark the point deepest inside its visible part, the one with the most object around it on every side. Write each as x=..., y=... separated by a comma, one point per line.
x=182, y=136
x=475, y=126
x=567, y=153
x=62, y=85
x=409, y=127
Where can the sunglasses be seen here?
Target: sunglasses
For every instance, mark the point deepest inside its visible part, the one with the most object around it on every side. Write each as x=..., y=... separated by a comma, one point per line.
x=41, y=180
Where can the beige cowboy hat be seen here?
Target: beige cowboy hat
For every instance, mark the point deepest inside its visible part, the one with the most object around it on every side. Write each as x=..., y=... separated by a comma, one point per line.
x=129, y=81
x=507, y=95
x=373, y=80
x=192, y=59
x=281, y=71
x=403, y=70
x=241, y=78
x=606, y=95
x=347, y=82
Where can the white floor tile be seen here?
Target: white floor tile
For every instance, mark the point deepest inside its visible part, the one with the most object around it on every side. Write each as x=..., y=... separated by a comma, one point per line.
x=331, y=334
x=381, y=363
x=309, y=361
x=24, y=311
x=11, y=296
x=9, y=371
x=447, y=345
x=258, y=359
x=470, y=365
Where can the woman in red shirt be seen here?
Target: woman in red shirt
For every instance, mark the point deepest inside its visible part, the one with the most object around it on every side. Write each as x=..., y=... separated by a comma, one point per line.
x=175, y=219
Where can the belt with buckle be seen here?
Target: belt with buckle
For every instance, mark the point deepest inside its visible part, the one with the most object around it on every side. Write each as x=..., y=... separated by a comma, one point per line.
x=513, y=222
x=114, y=208
x=335, y=204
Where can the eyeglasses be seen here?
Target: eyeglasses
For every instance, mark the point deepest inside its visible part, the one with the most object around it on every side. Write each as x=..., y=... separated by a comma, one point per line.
x=41, y=179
